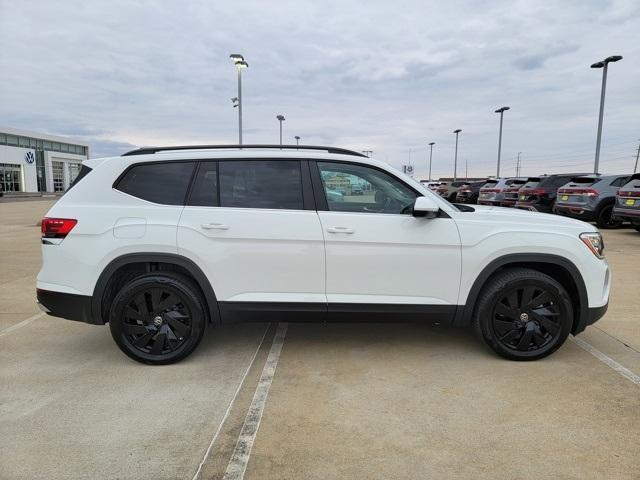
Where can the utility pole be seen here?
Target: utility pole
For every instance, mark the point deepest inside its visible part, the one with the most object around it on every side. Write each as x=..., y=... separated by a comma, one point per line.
x=635, y=168
x=466, y=169
x=518, y=165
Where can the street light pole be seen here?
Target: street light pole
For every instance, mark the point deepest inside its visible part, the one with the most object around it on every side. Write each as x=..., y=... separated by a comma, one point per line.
x=455, y=159
x=280, y=119
x=635, y=168
x=297, y=139
x=501, y=112
x=518, y=165
x=604, y=65
x=431, y=144
x=238, y=61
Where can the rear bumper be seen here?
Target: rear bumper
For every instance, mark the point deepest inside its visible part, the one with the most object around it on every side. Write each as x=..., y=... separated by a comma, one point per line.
x=533, y=207
x=66, y=305
x=575, y=212
x=626, y=213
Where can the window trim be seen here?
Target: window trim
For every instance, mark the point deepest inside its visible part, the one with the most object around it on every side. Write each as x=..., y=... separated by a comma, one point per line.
x=321, y=199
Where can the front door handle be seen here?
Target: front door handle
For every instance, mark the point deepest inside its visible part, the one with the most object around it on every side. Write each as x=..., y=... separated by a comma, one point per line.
x=215, y=226
x=340, y=230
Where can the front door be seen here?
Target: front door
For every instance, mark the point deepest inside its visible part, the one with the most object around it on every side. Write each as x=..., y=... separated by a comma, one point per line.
x=380, y=258
x=254, y=231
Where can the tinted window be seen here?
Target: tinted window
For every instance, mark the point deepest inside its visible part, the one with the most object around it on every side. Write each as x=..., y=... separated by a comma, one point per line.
x=164, y=183
x=356, y=188
x=205, y=187
x=618, y=182
x=261, y=184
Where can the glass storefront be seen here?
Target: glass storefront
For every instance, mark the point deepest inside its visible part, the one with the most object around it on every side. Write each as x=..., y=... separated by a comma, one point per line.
x=57, y=173
x=10, y=178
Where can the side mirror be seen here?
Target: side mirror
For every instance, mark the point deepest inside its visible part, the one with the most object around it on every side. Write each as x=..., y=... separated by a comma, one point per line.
x=425, y=207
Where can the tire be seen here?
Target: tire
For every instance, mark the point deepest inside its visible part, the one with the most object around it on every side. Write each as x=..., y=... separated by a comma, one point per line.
x=521, y=330
x=636, y=224
x=158, y=318
x=604, y=218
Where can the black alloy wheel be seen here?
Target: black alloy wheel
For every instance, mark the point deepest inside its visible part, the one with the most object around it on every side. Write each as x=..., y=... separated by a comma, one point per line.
x=523, y=314
x=605, y=218
x=158, y=318
x=526, y=318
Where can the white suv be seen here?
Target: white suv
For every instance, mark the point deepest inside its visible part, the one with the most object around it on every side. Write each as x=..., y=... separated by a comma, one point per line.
x=162, y=243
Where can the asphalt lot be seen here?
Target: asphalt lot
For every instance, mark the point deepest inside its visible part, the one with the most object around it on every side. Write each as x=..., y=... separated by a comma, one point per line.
x=344, y=400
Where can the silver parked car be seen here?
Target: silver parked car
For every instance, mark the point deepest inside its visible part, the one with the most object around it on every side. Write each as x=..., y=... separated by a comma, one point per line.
x=591, y=198
x=492, y=192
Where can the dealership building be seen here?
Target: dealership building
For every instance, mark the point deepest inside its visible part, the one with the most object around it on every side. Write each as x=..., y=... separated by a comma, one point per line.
x=34, y=162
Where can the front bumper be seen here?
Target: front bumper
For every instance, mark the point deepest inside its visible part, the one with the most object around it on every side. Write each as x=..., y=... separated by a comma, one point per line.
x=596, y=313
x=65, y=305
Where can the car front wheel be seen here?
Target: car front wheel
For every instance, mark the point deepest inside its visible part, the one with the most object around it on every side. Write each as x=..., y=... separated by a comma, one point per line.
x=158, y=318
x=523, y=314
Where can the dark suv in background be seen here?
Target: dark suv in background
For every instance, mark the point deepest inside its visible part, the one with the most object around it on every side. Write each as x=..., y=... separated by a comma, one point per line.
x=627, y=206
x=539, y=193
x=510, y=192
x=469, y=192
x=493, y=191
x=591, y=198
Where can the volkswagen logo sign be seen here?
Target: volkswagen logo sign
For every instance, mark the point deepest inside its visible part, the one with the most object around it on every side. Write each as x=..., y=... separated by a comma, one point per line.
x=29, y=157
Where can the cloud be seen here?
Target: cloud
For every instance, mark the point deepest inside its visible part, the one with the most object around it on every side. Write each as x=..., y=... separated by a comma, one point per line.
x=385, y=76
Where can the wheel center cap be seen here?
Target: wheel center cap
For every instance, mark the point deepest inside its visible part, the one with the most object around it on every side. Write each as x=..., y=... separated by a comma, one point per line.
x=157, y=321
x=524, y=317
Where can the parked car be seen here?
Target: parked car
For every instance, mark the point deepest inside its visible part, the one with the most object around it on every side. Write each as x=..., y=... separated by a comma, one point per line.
x=539, y=193
x=591, y=198
x=469, y=192
x=627, y=205
x=164, y=243
x=494, y=189
x=510, y=192
x=430, y=185
x=449, y=190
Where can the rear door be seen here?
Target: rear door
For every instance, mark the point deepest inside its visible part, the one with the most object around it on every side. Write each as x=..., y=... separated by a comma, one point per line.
x=252, y=226
x=379, y=257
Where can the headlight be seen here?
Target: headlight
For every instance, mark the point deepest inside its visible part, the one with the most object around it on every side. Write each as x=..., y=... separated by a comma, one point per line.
x=593, y=241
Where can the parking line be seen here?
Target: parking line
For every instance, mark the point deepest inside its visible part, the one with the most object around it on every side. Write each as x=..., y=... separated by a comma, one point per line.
x=23, y=323
x=240, y=458
x=196, y=476
x=625, y=372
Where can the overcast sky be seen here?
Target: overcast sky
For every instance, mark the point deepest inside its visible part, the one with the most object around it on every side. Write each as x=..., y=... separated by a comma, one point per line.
x=386, y=76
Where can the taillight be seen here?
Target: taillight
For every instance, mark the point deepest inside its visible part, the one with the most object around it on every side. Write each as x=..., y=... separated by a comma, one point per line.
x=628, y=193
x=57, y=227
x=585, y=192
x=534, y=191
x=466, y=190
x=492, y=190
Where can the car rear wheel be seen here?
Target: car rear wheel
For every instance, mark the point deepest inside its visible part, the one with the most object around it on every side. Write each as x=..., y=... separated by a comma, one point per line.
x=604, y=218
x=523, y=314
x=158, y=318
x=636, y=224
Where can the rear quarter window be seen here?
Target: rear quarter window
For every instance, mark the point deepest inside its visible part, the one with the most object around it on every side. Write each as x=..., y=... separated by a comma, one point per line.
x=165, y=183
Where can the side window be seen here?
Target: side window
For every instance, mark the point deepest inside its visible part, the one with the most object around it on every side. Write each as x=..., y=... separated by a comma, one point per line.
x=205, y=187
x=164, y=183
x=362, y=189
x=275, y=184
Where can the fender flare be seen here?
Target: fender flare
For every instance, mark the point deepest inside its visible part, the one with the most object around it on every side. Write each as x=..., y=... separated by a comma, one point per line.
x=170, y=258
x=464, y=313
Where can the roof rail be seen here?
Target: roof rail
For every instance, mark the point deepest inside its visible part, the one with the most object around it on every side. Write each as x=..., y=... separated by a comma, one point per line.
x=151, y=150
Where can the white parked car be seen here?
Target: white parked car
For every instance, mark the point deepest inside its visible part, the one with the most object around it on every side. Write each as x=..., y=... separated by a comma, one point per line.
x=162, y=243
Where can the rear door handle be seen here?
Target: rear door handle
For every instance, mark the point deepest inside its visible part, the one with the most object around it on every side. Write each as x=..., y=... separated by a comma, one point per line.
x=340, y=230
x=215, y=226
